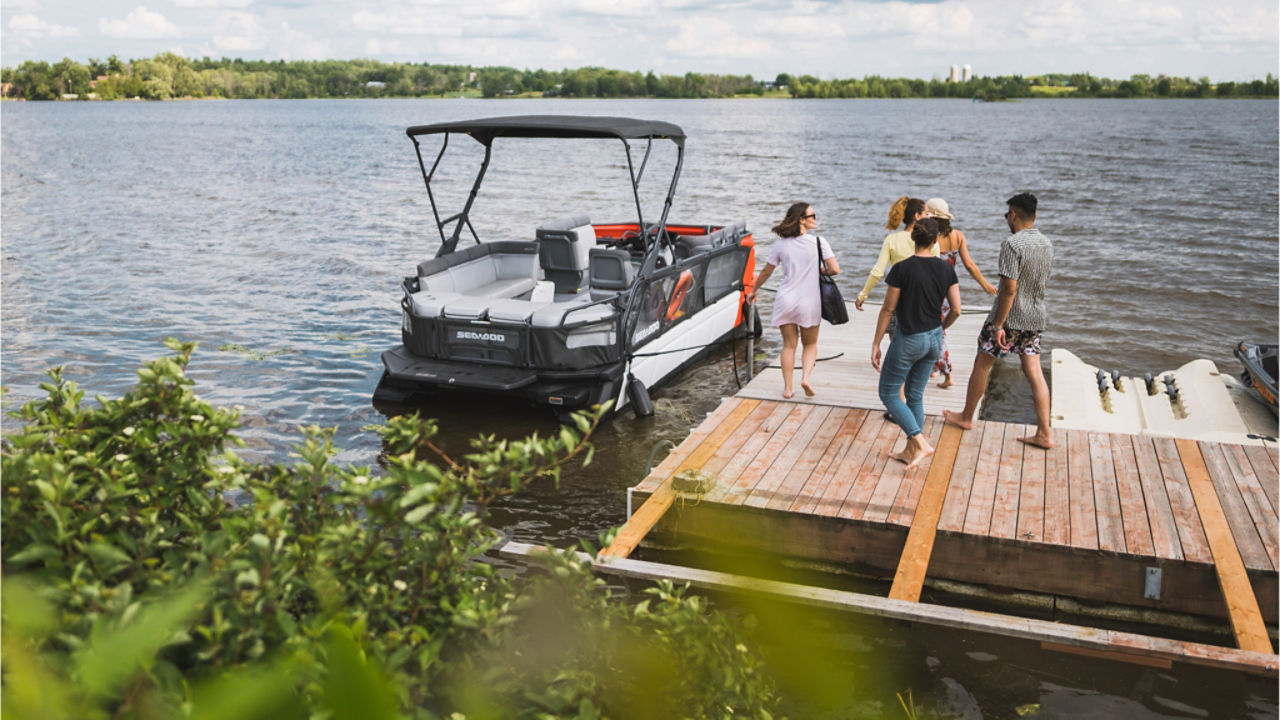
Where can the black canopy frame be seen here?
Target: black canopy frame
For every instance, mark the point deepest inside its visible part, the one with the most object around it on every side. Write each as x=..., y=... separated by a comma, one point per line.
x=486, y=130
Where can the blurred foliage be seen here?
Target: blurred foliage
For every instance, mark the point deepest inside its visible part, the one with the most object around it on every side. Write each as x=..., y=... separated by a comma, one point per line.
x=1081, y=85
x=150, y=572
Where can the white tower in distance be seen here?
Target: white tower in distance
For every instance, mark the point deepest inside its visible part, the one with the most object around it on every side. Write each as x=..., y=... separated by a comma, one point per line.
x=955, y=74
x=968, y=73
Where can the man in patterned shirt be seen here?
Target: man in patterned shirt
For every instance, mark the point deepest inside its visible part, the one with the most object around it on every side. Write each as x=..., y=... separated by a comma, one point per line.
x=1017, y=318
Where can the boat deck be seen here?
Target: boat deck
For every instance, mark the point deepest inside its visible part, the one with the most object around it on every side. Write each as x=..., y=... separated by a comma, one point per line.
x=1106, y=518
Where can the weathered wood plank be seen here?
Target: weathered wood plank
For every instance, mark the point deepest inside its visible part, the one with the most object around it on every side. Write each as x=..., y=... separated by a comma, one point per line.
x=1164, y=528
x=825, y=471
x=1084, y=518
x=1260, y=508
x=685, y=448
x=789, y=452
x=1264, y=461
x=757, y=471
x=869, y=473
x=982, y=495
x=1133, y=506
x=802, y=469
x=1031, y=497
x=1246, y=618
x=956, y=505
x=909, y=578
x=1004, y=509
x=1105, y=494
x=639, y=524
x=1195, y=546
x=1265, y=664
x=1057, y=492
x=844, y=476
x=1247, y=541
x=729, y=483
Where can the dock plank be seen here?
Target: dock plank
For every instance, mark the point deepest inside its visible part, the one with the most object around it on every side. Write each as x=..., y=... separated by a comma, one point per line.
x=1106, y=495
x=1242, y=606
x=956, y=504
x=888, y=434
x=1164, y=528
x=844, y=476
x=1031, y=499
x=789, y=451
x=918, y=549
x=1195, y=546
x=826, y=469
x=1133, y=506
x=1084, y=519
x=1260, y=508
x=757, y=471
x=1004, y=509
x=1245, y=533
x=1057, y=492
x=982, y=495
x=828, y=421
x=1263, y=460
x=727, y=485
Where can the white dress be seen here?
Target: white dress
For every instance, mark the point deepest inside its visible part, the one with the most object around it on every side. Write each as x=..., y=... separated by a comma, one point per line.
x=798, y=301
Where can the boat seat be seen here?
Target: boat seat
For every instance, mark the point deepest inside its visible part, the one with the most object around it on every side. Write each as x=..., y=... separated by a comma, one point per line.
x=467, y=307
x=503, y=289
x=563, y=250
x=610, y=271
x=550, y=316
x=687, y=246
x=430, y=303
x=515, y=310
x=505, y=268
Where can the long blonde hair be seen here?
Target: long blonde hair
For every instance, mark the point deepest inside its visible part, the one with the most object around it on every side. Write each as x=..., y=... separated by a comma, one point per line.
x=903, y=212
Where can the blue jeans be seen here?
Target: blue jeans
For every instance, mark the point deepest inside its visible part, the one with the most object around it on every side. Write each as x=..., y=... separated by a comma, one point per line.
x=908, y=362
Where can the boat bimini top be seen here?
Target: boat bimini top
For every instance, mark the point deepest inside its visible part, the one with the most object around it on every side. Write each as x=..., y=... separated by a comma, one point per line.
x=486, y=130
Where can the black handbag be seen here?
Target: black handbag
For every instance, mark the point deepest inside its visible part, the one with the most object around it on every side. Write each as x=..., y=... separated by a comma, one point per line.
x=834, y=310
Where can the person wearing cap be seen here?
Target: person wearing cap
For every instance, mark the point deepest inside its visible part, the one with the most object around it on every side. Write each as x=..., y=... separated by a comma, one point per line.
x=951, y=247
x=1017, y=318
x=897, y=246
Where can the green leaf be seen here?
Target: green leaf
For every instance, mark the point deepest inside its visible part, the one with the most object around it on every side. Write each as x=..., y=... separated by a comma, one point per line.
x=33, y=553
x=107, y=554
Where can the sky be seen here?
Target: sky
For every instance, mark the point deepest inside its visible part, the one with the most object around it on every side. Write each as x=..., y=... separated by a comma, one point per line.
x=1221, y=39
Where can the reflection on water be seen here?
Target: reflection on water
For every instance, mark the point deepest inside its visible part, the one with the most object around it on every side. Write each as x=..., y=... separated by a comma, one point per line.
x=276, y=233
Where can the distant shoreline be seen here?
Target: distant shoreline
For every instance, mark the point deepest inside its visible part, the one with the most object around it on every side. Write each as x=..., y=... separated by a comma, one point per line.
x=169, y=76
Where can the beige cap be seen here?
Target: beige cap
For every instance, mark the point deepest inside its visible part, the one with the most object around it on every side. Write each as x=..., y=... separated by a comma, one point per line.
x=937, y=207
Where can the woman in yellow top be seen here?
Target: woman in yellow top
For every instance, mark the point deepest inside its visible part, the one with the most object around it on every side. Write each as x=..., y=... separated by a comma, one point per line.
x=897, y=246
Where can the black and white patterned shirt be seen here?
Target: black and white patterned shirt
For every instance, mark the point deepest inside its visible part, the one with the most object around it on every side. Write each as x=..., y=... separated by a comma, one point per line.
x=1027, y=257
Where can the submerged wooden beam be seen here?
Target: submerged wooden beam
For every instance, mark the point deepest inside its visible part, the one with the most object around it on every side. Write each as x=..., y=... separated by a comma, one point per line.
x=1242, y=605
x=1131, y=647
x=639, y=524
x=909, y=578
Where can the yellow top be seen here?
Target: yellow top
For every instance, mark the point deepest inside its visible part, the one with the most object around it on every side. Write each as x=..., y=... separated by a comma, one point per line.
x=897, y=246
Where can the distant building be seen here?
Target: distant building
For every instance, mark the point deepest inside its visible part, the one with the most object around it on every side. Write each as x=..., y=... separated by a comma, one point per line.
x=966, y=74
x=375, y=84
x=955, y=74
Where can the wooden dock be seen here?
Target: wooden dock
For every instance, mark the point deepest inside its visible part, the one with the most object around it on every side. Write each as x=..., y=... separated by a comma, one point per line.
x=1173, y=525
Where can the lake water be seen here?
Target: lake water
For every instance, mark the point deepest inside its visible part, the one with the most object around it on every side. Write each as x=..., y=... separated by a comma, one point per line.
x=275, y=233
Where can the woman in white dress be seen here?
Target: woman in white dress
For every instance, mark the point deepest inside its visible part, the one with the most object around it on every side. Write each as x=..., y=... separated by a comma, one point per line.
x=797, y=308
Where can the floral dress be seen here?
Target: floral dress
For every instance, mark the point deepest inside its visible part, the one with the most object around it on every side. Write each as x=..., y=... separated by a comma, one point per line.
x=944, y=360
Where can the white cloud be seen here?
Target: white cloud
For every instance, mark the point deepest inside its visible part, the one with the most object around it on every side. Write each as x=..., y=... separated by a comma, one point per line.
x=408, y=20
x=33, y=27
x=141, y=24
x=702, y=37
x=236, y=4
x=238, y=32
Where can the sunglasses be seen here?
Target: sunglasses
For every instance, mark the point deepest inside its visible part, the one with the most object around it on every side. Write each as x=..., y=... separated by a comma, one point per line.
x=812, y=215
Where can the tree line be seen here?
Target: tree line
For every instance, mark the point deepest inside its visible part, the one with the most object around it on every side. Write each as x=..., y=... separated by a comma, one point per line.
x=168, y=75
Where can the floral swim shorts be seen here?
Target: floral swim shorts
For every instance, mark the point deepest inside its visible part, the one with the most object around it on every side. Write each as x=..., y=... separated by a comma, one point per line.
x=1023, y=342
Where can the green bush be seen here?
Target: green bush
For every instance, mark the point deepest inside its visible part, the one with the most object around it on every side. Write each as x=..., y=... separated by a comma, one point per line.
x=306, y=572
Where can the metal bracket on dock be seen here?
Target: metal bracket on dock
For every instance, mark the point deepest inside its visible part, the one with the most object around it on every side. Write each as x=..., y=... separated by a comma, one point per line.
x=1152, y=589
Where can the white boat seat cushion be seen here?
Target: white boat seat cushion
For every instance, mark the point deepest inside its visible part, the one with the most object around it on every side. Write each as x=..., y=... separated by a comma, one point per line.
x=515, y=311
x=563, y=251
x=467, y=307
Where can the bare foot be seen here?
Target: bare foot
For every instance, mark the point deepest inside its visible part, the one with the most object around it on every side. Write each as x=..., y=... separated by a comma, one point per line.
x=786, y=394
x=954, y=418
x=902, y=457
x=1036, y=440
x=808, y=389
x=923, y=453
x=946, y=382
